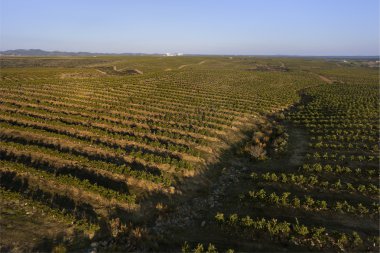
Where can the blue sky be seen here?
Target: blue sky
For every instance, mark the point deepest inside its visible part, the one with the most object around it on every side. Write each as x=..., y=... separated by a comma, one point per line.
x=296, y=27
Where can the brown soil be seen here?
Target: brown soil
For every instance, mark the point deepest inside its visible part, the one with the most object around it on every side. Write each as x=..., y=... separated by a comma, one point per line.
x=18, y=216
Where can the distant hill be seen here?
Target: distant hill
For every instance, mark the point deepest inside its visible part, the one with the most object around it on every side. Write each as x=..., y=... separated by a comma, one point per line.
x=39, y=52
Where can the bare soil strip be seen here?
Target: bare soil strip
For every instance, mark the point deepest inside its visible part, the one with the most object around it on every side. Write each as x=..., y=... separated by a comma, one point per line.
x=327, y=80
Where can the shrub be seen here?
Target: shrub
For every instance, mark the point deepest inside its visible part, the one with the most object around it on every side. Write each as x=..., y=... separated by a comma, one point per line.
x=219, y=217
x=256, y=152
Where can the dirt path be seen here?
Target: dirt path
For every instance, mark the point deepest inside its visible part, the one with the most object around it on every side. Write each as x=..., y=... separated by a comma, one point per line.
x=185, y=65
x=182, y=66
x=191, y=221
x=327, y=80
x=298, y=142
x=323, y=78
x=102, y=72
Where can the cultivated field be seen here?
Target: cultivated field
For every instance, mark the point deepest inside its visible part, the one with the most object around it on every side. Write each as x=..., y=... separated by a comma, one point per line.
x=203, y=154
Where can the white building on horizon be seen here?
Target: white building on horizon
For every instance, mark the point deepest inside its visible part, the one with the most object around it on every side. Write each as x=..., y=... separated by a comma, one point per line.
x=173, y=54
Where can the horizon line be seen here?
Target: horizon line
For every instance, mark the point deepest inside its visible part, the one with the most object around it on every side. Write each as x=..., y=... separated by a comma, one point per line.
x=182, y=54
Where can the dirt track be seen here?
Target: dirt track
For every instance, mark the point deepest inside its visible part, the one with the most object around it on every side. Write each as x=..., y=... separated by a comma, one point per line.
x=199, y=63
x=327, y=80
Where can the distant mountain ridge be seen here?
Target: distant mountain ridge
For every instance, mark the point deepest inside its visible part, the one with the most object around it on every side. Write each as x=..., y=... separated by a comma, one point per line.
x=39, y=52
